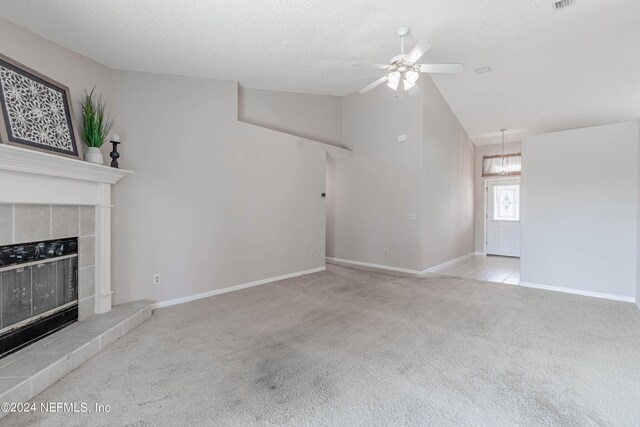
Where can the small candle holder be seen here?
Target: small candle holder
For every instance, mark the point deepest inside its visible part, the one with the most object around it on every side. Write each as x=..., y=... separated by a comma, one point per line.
x=114, y=154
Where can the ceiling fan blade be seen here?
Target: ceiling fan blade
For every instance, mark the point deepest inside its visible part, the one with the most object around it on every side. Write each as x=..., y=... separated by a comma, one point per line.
x=417, y=51
x=365, y=65
x=372, y=85
x=440, y=68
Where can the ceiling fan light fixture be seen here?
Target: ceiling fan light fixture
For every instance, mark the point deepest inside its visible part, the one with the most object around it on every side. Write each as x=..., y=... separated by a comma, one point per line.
x=407, y=84
x=411, y=77
x=403, y=68
x=394, y=77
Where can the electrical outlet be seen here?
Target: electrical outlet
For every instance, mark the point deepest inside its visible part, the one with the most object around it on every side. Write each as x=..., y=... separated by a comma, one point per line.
x=313, y=254
x=402, y=138
x=412, y=217
x=156, y=279
x=386, y=251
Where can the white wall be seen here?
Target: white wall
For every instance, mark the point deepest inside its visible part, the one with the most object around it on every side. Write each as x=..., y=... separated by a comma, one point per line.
x=478, y=191
x=330, y=207
x=214, y=202
x=430, y=175
x=375, y=191
x=447, y=182
x=580, y=209
x=316, y=117
x=638, y=241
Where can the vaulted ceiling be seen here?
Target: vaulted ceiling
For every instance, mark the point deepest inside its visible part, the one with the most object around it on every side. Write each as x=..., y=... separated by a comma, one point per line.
x=551, y=70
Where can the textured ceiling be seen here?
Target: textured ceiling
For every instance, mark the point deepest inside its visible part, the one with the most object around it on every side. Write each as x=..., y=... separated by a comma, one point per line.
x=551, y=69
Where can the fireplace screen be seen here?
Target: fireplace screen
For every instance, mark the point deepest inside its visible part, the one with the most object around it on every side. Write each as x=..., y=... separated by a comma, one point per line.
x=38, y=290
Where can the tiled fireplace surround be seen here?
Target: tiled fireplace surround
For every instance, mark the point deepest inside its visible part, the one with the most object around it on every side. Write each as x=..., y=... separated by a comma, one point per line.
x=23, y=223
x=44, y=196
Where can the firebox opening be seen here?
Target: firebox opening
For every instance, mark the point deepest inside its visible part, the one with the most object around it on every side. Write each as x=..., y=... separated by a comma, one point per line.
x=38, y=291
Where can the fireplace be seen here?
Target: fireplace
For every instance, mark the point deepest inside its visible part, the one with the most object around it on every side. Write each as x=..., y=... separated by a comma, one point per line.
x=43, y=197
x=38, y=290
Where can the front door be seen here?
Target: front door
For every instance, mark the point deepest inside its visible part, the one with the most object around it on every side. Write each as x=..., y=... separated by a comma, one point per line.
x=503, y=218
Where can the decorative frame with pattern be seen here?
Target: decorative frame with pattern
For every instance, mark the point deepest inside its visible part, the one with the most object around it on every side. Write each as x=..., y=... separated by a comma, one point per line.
x=36, y=111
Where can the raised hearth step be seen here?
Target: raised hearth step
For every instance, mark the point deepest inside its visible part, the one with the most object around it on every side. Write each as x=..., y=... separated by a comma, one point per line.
x=31, y=370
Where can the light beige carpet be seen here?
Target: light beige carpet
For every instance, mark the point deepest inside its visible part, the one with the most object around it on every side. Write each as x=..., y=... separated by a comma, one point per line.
x=353, y=346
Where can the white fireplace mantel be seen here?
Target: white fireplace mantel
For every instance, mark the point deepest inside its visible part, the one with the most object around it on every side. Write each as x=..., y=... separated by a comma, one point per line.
x=28, y=176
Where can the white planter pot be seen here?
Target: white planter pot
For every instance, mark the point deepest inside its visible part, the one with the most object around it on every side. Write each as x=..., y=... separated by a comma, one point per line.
x=93, y=155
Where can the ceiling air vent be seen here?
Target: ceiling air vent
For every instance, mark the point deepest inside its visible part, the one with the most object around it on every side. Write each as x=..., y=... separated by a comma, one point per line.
x=563, y=3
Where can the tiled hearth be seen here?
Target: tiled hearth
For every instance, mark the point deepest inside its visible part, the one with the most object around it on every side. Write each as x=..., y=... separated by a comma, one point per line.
x=22, y=223
x=31, y=370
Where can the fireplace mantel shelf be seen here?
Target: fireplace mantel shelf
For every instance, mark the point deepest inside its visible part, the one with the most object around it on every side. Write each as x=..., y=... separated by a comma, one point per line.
x=18, y=159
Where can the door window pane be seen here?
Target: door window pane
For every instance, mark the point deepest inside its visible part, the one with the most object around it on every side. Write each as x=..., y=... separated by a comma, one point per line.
x=506, y=205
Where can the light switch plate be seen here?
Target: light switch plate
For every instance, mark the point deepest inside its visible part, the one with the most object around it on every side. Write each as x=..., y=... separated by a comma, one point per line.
x=402, y=138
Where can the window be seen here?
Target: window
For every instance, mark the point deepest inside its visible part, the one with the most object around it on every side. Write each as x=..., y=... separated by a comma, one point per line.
x=506, y=206
x=498, y=165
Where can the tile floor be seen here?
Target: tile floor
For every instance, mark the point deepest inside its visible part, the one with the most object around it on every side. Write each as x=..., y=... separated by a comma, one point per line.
x=486, y=267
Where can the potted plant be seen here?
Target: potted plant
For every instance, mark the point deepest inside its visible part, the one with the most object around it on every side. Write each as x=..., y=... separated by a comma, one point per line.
x=95, y=125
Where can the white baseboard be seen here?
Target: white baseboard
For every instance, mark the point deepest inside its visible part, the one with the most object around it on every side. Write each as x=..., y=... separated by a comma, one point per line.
x=578, y=292
x=451, y=261
x=213, y=292
x=380, y=266
x=399, y=269
x=480, y=253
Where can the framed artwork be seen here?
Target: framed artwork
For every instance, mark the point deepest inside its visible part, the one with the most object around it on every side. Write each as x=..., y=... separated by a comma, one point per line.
x=36, y=111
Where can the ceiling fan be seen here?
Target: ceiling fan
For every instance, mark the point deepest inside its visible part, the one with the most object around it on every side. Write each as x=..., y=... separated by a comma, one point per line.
x=403, y=72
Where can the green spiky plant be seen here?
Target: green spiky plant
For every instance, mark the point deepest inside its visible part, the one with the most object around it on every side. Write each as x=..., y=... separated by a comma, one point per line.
x=96, y=123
